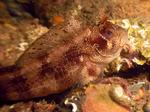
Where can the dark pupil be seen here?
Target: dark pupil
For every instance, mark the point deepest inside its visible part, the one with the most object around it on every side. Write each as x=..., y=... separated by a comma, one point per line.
x=109, y=32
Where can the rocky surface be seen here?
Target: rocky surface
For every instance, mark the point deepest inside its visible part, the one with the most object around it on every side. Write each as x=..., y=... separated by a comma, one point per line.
x=41, y=106
x=99, y=100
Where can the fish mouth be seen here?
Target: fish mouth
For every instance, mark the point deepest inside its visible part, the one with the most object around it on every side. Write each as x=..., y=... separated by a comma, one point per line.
x=105, y=58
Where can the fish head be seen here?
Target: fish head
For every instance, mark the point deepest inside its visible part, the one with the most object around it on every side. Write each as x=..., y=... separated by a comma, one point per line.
x=107, y=42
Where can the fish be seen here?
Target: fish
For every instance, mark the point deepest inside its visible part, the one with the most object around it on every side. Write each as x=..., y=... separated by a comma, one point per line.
x=60, y=59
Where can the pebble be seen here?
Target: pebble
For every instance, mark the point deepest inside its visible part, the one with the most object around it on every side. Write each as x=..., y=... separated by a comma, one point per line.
x=117, y=93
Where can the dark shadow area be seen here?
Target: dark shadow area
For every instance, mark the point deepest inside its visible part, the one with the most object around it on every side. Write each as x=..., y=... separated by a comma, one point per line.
x=133, y=72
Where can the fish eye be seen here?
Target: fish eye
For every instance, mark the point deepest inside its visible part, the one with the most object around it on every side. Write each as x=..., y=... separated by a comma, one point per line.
x=107, y=33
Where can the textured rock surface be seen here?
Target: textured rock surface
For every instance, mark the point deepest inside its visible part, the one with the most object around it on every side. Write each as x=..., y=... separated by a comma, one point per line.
x=98, y=100
x=115, y=9
x=41, y=106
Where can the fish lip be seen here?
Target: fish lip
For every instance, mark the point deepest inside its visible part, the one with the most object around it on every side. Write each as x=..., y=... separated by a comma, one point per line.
x=107, y=58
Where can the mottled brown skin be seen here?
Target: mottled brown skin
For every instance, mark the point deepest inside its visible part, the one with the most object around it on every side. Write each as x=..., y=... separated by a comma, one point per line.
x=59, y=59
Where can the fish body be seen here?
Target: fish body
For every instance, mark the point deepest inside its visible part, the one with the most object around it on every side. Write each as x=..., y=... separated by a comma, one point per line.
x=59, y=59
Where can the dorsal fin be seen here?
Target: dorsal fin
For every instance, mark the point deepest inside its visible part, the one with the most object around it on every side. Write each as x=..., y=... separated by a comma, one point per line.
x=45, y=43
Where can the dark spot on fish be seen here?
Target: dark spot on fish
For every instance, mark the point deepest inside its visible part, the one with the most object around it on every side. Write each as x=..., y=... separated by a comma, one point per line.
x=49, y=69
x=2, y=92
x=9, y=69
x=61, y=68
x=20, y=83
x=43, y=58
x=99, y=42
x=73, y=55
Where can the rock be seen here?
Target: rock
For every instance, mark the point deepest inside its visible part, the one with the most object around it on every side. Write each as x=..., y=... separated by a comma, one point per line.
x=98, y=100
x=41, y=106
x=15, y=37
